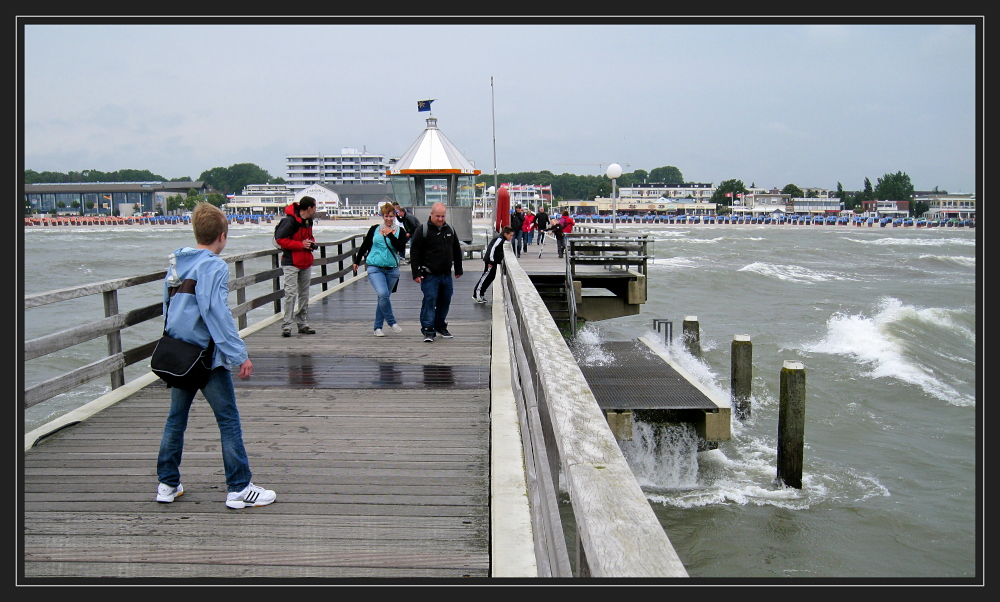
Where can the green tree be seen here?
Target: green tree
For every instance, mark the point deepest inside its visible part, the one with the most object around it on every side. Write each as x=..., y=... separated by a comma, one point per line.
x=175, y=202
x=233, y=179
x=733, y=187
x=216, y=199
x=894, y=187
x=793, y=190
x=666, y=175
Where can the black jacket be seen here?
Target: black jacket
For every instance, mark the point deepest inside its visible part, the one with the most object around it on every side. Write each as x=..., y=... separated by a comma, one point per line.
x=517, y=221
x=542, y=220
x=436, y=250
x=494, y=250
x=410, y=223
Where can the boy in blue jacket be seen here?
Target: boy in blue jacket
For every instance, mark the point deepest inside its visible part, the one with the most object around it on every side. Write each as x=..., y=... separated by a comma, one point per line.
x=197, y=291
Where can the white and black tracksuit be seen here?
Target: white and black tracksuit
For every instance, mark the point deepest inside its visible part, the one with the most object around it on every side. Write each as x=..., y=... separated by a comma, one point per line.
x=492, y=257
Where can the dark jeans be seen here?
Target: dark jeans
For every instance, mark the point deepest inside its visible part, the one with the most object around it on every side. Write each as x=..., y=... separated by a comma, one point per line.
x=489, y=273
x=437, y=292
x=221, y=398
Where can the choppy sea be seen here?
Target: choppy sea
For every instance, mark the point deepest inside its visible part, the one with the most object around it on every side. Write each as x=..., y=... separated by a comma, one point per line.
x=885, y=321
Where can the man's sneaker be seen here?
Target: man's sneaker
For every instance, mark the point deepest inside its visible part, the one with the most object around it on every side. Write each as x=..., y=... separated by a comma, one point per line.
x=286, y=333
x=481, y=300
x=166, y=493
x=251, y=496
x=379, y=333
x=428, y=338
x=396, y=328
x=306, y=330
x=444, y=332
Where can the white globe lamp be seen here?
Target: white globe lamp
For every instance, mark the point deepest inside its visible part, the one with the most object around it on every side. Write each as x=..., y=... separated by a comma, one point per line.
x=614, y=172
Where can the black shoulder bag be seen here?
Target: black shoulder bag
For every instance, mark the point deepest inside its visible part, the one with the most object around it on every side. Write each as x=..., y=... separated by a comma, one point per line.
x=180, y=364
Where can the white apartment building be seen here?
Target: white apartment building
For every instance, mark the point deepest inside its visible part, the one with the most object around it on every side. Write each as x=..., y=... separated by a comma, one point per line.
x=949, y=206
x=351, y=166
x=261, y=198
x=643, y=193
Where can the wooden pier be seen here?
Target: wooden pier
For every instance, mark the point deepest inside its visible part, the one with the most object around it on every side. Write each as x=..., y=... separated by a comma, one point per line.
x=378, y=450
x=391, y=457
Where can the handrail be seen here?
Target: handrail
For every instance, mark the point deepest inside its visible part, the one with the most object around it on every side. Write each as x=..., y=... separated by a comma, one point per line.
x=568, y=445
x=115, y=321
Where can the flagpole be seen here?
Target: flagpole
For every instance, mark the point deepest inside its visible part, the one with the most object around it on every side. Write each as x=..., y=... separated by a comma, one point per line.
x=496, y=183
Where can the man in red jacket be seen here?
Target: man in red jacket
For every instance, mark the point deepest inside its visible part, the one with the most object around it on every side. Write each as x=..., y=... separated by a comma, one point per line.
x=294, y=234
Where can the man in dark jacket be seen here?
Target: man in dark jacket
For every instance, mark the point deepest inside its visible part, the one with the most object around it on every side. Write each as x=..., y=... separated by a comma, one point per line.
x=410, y=224
x=434, y=248
x=492, y=257
x=294, y=234
x=542, y=224
x=517, y=223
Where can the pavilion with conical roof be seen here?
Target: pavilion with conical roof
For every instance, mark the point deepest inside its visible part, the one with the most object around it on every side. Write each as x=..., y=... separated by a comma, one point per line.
x=433, y=170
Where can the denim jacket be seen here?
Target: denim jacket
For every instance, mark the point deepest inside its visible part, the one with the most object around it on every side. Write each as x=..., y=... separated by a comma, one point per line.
x=202, y=314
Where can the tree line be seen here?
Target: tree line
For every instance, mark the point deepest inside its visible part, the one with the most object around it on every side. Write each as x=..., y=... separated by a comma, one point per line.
x=566, y=186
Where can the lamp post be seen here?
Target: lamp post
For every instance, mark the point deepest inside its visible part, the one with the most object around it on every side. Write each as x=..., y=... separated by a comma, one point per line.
x=614, y=172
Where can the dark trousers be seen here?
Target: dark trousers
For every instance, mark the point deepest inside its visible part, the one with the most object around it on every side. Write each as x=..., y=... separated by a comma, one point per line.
x=489, y=273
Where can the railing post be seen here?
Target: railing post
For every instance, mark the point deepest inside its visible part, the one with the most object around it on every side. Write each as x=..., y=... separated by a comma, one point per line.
x=791, y=423
x=322, y=269
x=114, y=338
x=691, y=335
x=241, y=295
x=340, y=264
x=741, y=375
x=276, y=265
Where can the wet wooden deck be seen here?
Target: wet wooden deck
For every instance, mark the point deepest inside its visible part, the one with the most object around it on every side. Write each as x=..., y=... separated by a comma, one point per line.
x=378, y=449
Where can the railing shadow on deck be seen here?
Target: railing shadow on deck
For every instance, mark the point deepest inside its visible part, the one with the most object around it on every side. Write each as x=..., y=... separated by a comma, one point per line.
x=334, y=263
x=569, y=446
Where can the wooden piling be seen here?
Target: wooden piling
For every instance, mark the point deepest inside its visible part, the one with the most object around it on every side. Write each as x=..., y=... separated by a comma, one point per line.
x=741, y=375
x=692, y=335
x=791, y=423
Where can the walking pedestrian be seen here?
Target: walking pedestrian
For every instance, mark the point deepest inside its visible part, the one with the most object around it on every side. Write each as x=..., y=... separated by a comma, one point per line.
x=434, y=249
x=541, y=224
x=294, y=234
x=492, y=257
x=410, y=223
x=517, y=223
x=381, y=250
x=197, y=291
x=528, y=230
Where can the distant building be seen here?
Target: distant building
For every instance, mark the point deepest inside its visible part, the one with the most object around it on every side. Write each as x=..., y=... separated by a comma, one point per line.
x=261, y=198
x=350, y=167
x=529, y=195
x=948, y=206
x=641, y=193
x=102, y=198
x=345, y=200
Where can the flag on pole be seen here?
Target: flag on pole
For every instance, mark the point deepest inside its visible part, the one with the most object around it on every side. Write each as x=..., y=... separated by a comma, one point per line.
x=729, y=194
x=425, y=105
x=740, y=195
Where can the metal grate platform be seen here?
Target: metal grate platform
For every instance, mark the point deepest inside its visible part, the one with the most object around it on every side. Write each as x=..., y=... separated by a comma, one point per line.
x=638, y=379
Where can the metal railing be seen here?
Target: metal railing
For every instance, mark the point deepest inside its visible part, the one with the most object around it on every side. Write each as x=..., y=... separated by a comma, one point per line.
x=115, y=320
x=568, y=446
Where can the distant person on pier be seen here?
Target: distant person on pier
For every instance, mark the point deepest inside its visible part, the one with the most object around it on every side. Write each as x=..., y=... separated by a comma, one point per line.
x=492, y=257
x=197, y=290
x=541, y=224
x=517, y=223
x=294, y=234
x=380, y=250
x=565, y=226
x=527, y=230
x=434, y=249
x=410, y=224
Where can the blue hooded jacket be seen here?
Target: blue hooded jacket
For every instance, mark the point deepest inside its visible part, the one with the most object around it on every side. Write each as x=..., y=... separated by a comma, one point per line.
x=202, y=315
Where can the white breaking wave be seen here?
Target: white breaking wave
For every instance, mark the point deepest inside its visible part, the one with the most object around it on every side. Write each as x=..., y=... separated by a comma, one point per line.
x=790, y=273
x=674, y=263
x=960, y=261
x=870, y=340
x=927, y=242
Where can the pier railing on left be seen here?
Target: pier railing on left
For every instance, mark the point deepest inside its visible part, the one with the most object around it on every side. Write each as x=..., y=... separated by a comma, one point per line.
x=334, y=262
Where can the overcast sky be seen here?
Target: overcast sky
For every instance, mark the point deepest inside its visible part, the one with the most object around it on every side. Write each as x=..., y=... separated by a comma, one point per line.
x=769, y=104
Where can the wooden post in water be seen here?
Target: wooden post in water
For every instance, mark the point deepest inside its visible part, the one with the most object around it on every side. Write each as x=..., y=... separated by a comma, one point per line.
x=791, y=423
x=692, y=335
x=741, y=375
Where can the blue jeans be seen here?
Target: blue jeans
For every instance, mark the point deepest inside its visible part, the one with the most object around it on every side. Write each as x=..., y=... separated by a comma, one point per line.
x=221, y=397
x=383, y=281
x=437, y=300
x=517, y=241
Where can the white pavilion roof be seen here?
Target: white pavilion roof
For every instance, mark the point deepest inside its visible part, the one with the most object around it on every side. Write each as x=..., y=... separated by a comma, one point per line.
x=432, y=153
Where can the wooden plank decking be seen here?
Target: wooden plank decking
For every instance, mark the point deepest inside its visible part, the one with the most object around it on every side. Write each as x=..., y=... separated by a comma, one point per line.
x=378, y=449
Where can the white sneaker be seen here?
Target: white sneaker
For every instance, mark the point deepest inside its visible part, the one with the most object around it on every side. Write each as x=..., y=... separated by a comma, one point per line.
x=251, y=496
x=396, y=328
x=166, y=493
x=481, y=300
x=379, y=333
